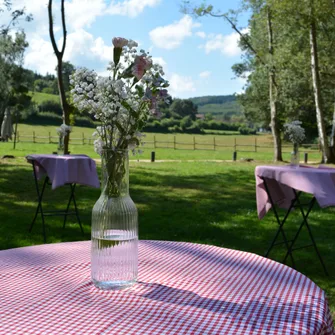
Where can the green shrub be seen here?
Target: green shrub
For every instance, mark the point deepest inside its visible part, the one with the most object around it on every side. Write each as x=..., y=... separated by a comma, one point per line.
x=247, y=131
x=50, y=106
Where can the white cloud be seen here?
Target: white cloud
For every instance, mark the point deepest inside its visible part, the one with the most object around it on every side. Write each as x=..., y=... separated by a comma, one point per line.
x=81, y=43
x=78, y=43
x=131, y=8
x=201, y=34
x=79, y=13
x=226, y=44
x=172, y=35
x=40, y=57
x=160, y=61
x=180, y=85
x=101, y=50
x=205, y=74
x=82, y=13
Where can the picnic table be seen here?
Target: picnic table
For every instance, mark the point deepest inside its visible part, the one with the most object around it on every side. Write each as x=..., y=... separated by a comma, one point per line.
x=182, y=288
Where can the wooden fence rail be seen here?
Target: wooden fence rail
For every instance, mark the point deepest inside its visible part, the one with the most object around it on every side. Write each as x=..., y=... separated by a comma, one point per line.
x=214, y=144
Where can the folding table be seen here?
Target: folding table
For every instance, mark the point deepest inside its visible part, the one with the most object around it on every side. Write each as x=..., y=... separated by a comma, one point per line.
x=59, y=170
x=283, y=186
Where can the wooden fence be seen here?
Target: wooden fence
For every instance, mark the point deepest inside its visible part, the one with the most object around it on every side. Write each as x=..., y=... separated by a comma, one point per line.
x=215, y=144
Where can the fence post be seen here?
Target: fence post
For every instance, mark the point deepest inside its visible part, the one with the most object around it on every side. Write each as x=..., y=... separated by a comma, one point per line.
x=255, y=144
x=214, y=144
x=235, y=145
x=193, y=142
x=83, y=138
x=306, y=157
x=154, y=141
x=49, y=137
x=174, y=142
x=33, y=136
x=18, y=137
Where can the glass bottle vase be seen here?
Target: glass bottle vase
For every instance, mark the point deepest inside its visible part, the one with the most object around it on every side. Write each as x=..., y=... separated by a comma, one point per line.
x=295, y=156
x=114, y=249
x=60, y=148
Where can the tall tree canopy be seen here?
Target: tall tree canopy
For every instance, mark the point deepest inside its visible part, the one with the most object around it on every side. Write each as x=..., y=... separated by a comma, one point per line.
x=289, y=61
x=184, y=107
x=12, y=46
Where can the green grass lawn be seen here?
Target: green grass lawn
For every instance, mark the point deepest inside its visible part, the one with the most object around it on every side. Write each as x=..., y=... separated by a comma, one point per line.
x=39, y=97
x=202, y=202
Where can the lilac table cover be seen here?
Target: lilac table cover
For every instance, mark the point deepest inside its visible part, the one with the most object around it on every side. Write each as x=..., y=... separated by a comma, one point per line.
x=182, y=289
x=281, y=181
x=64, y=169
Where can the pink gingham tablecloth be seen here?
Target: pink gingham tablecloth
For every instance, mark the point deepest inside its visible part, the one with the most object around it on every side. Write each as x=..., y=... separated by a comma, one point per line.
x=66, y=169
x=183, y=288
x=282, y=179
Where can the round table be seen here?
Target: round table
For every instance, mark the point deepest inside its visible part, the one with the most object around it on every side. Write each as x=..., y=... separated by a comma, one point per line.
x=182, y=288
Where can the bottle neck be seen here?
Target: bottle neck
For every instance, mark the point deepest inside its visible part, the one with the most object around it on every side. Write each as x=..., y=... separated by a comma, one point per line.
x=295, y=147
x=115, y=173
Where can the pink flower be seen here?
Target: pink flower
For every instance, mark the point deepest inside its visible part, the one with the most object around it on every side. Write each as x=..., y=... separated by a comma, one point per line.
x=141, y=64
x=119, y=42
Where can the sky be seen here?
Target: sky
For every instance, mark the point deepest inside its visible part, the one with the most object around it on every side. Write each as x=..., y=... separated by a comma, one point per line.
x=196, y=53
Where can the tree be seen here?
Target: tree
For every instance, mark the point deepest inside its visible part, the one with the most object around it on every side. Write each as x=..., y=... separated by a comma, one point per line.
x=16, y=15
x=314, y=23
x=13, y=89
x=66, y=107
x=184, y=107
x=67, y=70
x=263, y=58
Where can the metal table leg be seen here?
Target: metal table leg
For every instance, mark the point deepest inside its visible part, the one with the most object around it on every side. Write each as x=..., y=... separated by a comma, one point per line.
x=39, y=209
x=296, y=203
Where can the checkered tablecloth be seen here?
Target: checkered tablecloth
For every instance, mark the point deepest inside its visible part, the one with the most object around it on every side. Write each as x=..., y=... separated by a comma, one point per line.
x=182, y=288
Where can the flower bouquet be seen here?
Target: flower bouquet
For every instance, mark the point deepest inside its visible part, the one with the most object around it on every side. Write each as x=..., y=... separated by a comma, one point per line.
x=296, y=134
x=62, y=131
x=122, y=103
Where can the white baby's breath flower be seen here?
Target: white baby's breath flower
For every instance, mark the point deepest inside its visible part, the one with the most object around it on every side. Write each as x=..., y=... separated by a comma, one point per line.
x=122, y=99
x=295, y=132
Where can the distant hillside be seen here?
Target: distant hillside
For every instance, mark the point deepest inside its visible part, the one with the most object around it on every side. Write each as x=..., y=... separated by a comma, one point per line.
x=222, y=107
x=213, y=99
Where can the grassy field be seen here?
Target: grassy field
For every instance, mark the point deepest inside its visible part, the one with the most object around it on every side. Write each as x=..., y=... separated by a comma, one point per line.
x=203, y=202
x=163, y=147
x=39, y=97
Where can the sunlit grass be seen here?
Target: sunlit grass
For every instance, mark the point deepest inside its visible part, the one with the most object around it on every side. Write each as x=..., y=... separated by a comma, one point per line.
x=188, y=147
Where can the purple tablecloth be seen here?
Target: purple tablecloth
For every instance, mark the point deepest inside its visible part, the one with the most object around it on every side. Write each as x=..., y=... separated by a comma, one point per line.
x=64, y=169
x=281, y=181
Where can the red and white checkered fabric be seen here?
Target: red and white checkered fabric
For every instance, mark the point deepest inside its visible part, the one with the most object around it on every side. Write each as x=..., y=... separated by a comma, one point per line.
x=183, y=288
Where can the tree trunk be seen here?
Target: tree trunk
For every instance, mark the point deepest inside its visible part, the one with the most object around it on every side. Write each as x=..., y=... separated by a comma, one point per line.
x=332, y=135
x=65, y=106
x=59, y=54
x=323, y=140
x=273, y=91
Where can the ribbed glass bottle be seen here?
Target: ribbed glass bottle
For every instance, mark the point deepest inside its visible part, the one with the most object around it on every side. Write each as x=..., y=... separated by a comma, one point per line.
x=295, y=156
x=114, y=250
